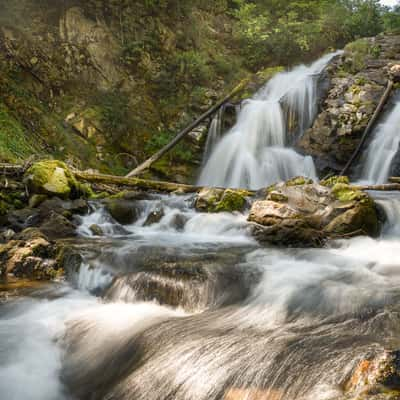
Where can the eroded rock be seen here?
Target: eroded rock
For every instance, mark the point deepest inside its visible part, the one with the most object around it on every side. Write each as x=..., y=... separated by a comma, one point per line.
x=308, y=214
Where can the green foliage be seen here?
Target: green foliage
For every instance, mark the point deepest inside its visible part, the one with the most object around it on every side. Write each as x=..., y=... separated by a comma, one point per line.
x=115, y=113
x=179, y=153
x=391, y=20
x=14, y=145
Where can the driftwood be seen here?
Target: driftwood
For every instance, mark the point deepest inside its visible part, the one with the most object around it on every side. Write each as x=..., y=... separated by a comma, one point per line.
x=383, y=187
x=155, y=157
x=369, y=127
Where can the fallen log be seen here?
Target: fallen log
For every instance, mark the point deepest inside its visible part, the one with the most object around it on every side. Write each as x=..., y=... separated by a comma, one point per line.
x=155, y=157
x=138, y=183
x=369, y=127
x=394, y=179
x=11, y=169
x=383, y=187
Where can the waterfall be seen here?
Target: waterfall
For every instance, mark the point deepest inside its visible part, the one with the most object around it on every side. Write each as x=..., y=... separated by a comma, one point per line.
x=383, y=148
x=214, y=133
x=256, y=152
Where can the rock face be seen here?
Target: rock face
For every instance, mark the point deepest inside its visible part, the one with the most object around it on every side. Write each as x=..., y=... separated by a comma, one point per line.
x=357, y=81
x=302, y=213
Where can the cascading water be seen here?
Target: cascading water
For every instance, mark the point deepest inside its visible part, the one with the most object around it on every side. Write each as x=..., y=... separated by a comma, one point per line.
x=383, y=148
x=256, y=151
x=190, y=308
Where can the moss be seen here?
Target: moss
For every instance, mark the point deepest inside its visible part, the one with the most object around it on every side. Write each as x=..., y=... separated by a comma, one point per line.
x=277, y=197
x=53, y=177
x=231, y=200
x=333, y=180
x=298, y=181
x=346, y=193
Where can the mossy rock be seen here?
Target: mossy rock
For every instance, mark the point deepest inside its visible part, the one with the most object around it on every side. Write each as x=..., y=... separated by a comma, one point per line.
x=333, y=180
x=54, y=178
x=298, y=181
x=219, y=200
x=346, y=193
x=231, y=200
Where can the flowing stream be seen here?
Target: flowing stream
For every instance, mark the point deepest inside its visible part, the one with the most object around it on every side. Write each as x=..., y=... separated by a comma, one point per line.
x=190, y=307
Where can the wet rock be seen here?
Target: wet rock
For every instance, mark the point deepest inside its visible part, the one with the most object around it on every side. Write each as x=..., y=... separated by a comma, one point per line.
x=36, y=200
x=58, y=227
x=96, y=230
x=29, y=234
x=208, y=198
x=154, y=217
x=28, y=259
x=179, y=221
x=123, y=211
x=220, y=200
x=377, y=376
x=21, y=219
x=309, y=214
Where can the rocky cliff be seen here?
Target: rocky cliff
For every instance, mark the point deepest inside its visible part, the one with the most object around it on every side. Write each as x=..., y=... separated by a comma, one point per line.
x=356, y=80
x=103, y=90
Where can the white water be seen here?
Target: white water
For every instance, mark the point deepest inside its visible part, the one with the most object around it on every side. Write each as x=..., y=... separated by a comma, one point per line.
x=309, y=318
x=383, y=148
x=256, y=151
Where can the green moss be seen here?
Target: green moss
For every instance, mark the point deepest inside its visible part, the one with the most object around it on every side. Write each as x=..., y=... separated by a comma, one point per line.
x=277, y=197
x=231, y=200
x=346, y=193
x=53, y=177
x=333, y=180
x=298, y=181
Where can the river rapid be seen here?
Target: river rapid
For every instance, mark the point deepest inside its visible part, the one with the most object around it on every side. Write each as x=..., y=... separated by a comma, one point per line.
x=200, y=311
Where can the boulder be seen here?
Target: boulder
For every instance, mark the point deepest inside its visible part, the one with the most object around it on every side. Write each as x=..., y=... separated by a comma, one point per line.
x=96, y=230
x=33, y=259
x=53, y=178
x=154, y=217
x=123, y=211
x=307, y=214
x=58, y=227
x=220, y=200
